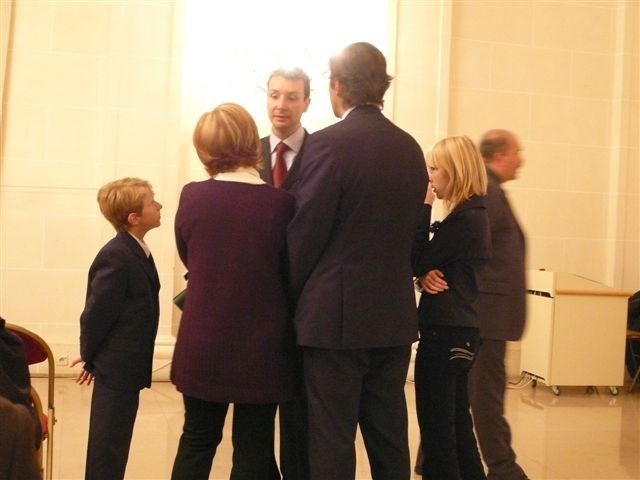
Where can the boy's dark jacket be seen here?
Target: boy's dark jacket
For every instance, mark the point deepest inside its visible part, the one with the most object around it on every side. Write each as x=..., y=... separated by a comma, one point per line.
x=120, y=320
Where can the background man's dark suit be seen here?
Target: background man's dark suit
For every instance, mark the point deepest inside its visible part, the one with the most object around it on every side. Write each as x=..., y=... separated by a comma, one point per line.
x=501, y=310
x=292, y=415
x=357, y=207
x=501, y=305
x=118, y=331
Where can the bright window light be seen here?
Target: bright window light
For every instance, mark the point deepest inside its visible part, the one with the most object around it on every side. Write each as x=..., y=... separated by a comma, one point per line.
x=231, y=47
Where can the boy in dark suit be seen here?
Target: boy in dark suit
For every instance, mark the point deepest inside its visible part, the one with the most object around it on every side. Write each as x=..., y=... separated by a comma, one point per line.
x=119, y=324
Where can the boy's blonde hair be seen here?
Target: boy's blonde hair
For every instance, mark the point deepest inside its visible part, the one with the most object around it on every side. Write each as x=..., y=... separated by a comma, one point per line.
x=119, y=198
x=227, y=138
x=459, y=157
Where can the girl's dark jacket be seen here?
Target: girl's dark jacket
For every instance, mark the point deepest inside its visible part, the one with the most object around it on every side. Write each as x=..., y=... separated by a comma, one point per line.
x=461, y=243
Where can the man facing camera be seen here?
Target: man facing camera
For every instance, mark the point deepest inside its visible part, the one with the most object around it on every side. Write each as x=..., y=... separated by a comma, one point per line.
x=358, y=203
x=287, y=99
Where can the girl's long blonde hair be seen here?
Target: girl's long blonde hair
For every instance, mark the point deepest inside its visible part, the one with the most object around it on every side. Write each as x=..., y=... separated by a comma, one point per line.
x=459, y=157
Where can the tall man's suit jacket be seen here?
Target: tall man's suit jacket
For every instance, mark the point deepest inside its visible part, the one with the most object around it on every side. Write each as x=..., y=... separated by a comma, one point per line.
x=501, y=303
x=358, y=205
x=291, y=180
x=119, y=323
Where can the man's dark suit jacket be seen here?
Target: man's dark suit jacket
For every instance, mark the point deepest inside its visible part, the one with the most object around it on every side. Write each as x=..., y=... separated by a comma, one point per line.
x=358, y=204
x=501, y=303
x=119, y=323
x=291, y=180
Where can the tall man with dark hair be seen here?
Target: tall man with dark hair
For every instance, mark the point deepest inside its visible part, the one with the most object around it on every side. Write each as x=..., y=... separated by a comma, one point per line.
x=357, y=208
x=288, y=97
x=501, y=309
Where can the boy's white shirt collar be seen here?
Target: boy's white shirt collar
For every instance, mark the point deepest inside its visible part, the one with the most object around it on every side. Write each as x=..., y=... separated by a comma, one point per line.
x=147, y=252
x=241, y=175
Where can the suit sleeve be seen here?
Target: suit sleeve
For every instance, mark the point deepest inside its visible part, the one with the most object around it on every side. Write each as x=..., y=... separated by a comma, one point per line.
x=105, y=299
x=317, y=201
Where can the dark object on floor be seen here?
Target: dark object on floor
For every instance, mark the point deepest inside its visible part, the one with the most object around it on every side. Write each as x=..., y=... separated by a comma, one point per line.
x=419, y=461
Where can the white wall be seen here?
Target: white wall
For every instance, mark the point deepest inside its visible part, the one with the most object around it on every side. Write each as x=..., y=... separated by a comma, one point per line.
x=96, y=91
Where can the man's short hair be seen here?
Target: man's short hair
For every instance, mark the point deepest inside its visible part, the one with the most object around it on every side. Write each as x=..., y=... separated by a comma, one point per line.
x=295, y=73
x=494, y=141
x=361, y=70
x=227, y=138
x=121, y=197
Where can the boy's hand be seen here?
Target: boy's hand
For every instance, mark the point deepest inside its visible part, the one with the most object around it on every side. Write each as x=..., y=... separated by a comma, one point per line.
x=84, y=375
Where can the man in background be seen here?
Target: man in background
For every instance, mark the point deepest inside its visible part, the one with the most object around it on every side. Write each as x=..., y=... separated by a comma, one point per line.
x=288, y=97
x=501, y=308
x=358, y=203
